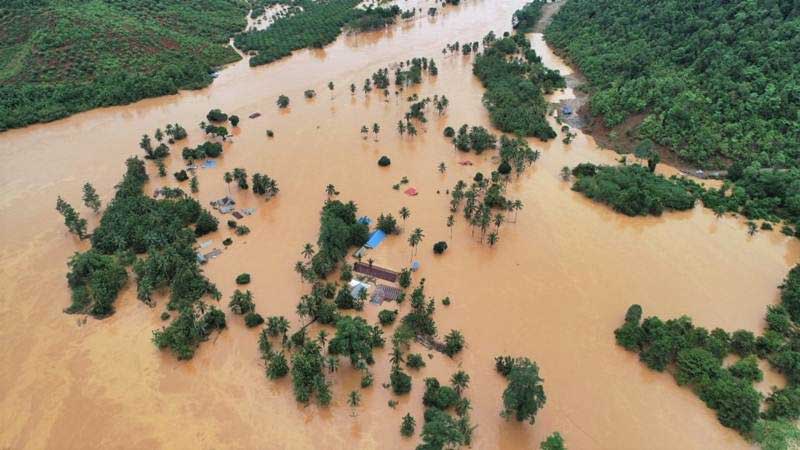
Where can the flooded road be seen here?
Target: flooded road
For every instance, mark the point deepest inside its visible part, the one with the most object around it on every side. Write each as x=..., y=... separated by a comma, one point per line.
x=553, y=289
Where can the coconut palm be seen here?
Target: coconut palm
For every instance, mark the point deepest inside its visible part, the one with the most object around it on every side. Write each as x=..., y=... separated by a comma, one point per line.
x=415, y=239
x=352, y=89
x=228, y=180
x=308, y=250
x=517, y=205
x=396, y=357
x=401, y=127
x=450, y=222
x=375, y=130
x=332, y=362
x=460, y=381
x=498, y=220
x=492, y=238
x=330, y=88
x=330, y=190
x=300, y=269
x=322, y=337
x=404, y=213
x=364, y=131
x=353, y=400
x=442, y=167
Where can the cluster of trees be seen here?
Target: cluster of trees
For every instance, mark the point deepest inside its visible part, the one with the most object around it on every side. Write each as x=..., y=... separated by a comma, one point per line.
x=159, y=152
x=373, y=18
x=202, y=151
x=242, y=304
x=483, y=197
x=339, y=230
x=696, y=357
x=71, y=57
x=310, y=24
x=524, y=396
x=216, y=115
x=525, y=18
x=719, y=84
x=515, y=80
x=634, y=190
x=161, y=230
x=73, y=221
x=476, y=138
x=447, y=422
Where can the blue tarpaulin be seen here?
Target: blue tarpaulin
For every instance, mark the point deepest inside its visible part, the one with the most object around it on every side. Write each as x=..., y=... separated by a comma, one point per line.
x=567, y=110
x=375, y=239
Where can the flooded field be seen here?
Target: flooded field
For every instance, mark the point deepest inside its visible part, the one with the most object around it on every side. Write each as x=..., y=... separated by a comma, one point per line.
x=553, y=289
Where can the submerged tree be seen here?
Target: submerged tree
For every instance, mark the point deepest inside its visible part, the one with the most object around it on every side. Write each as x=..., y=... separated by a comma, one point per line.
x=90, y=197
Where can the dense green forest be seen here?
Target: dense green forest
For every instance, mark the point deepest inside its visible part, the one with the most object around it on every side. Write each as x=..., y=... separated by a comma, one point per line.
x=716, y=81
x=697, y=359
x=311, y=24
x=58, y=58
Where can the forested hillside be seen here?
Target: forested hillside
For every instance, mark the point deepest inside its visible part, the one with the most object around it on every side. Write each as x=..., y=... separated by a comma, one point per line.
x=61, y=57
x=718, y=81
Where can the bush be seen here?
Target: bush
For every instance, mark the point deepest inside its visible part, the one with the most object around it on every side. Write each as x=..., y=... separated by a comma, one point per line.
x=387, y=317
x=384, y=161
x=449, y=132
x=206, y=223
x=415, y=361
x=253, y=319
x=181, y=175
x=165, y=315
x=439, y=247
x=400, y=381
x=283, y=101
x=234, y=120
x=215, y=115
x=453, y=343
x=243, y=278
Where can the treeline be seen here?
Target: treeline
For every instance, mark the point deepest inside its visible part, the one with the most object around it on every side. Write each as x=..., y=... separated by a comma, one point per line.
x=696, y=357
x=163, y=232
x=515, y=80
x=60, y=58
x=716, y=81
x=311, y=24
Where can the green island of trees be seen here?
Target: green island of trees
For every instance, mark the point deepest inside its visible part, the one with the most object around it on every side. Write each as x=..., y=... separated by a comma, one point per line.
x=515, y=80
x=156, y=238
x=60, y=58
x=718, y=87
x=310, y=24
x=696, y=357
x=634, y=190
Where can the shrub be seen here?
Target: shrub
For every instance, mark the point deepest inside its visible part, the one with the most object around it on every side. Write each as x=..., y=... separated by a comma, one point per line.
x=387, y=317
x=253, y=319
x=453, y=343
x=206, y=223
x=400, y=381
x=181, y=175
x=415, y=361
x=439, y=247
x=234, y=120
x=165, y=315
x=243, y=278
x=384, y=161
x=283, y=101
x=449, y=132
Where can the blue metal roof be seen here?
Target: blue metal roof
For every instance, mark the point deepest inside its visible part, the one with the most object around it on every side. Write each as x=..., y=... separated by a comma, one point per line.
x=375, y=239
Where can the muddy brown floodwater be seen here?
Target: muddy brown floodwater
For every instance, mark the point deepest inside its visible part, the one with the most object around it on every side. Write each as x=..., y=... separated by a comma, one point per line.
x=553, y=289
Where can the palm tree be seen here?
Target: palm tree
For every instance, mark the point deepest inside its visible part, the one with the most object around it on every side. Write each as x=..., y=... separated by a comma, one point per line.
x=308, y=250
x=442, y=167
x=460, y=381
x=396, y=357
x=330, y=190
x=498, y=220
x=330, y=88
x=352, y=89
x=333, y=363
x=415, y=239
x=517, y=204
x=364, y=131
x=376, y=129
x=492, y=238
x=322, y=337
x=405, y=213
x=450, y=222
x=300, y=269
x=353, y=400
x=228, y=180
x=401, y=127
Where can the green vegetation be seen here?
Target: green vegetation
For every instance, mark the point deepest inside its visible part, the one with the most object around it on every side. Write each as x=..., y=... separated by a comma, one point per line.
x=633, y=190
x=441, y=428
x=719, y=89
x=310, y=24
x=243, y=278
x=408, y=426
x=515, y=86
x=339, y=230
x=73, y=221
x=695, y=357
x=59, y=58
x=384, y=161
x=134, y=223
x=524, y=396
x=553, y=442
x=525, y=18
x=717, y=84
